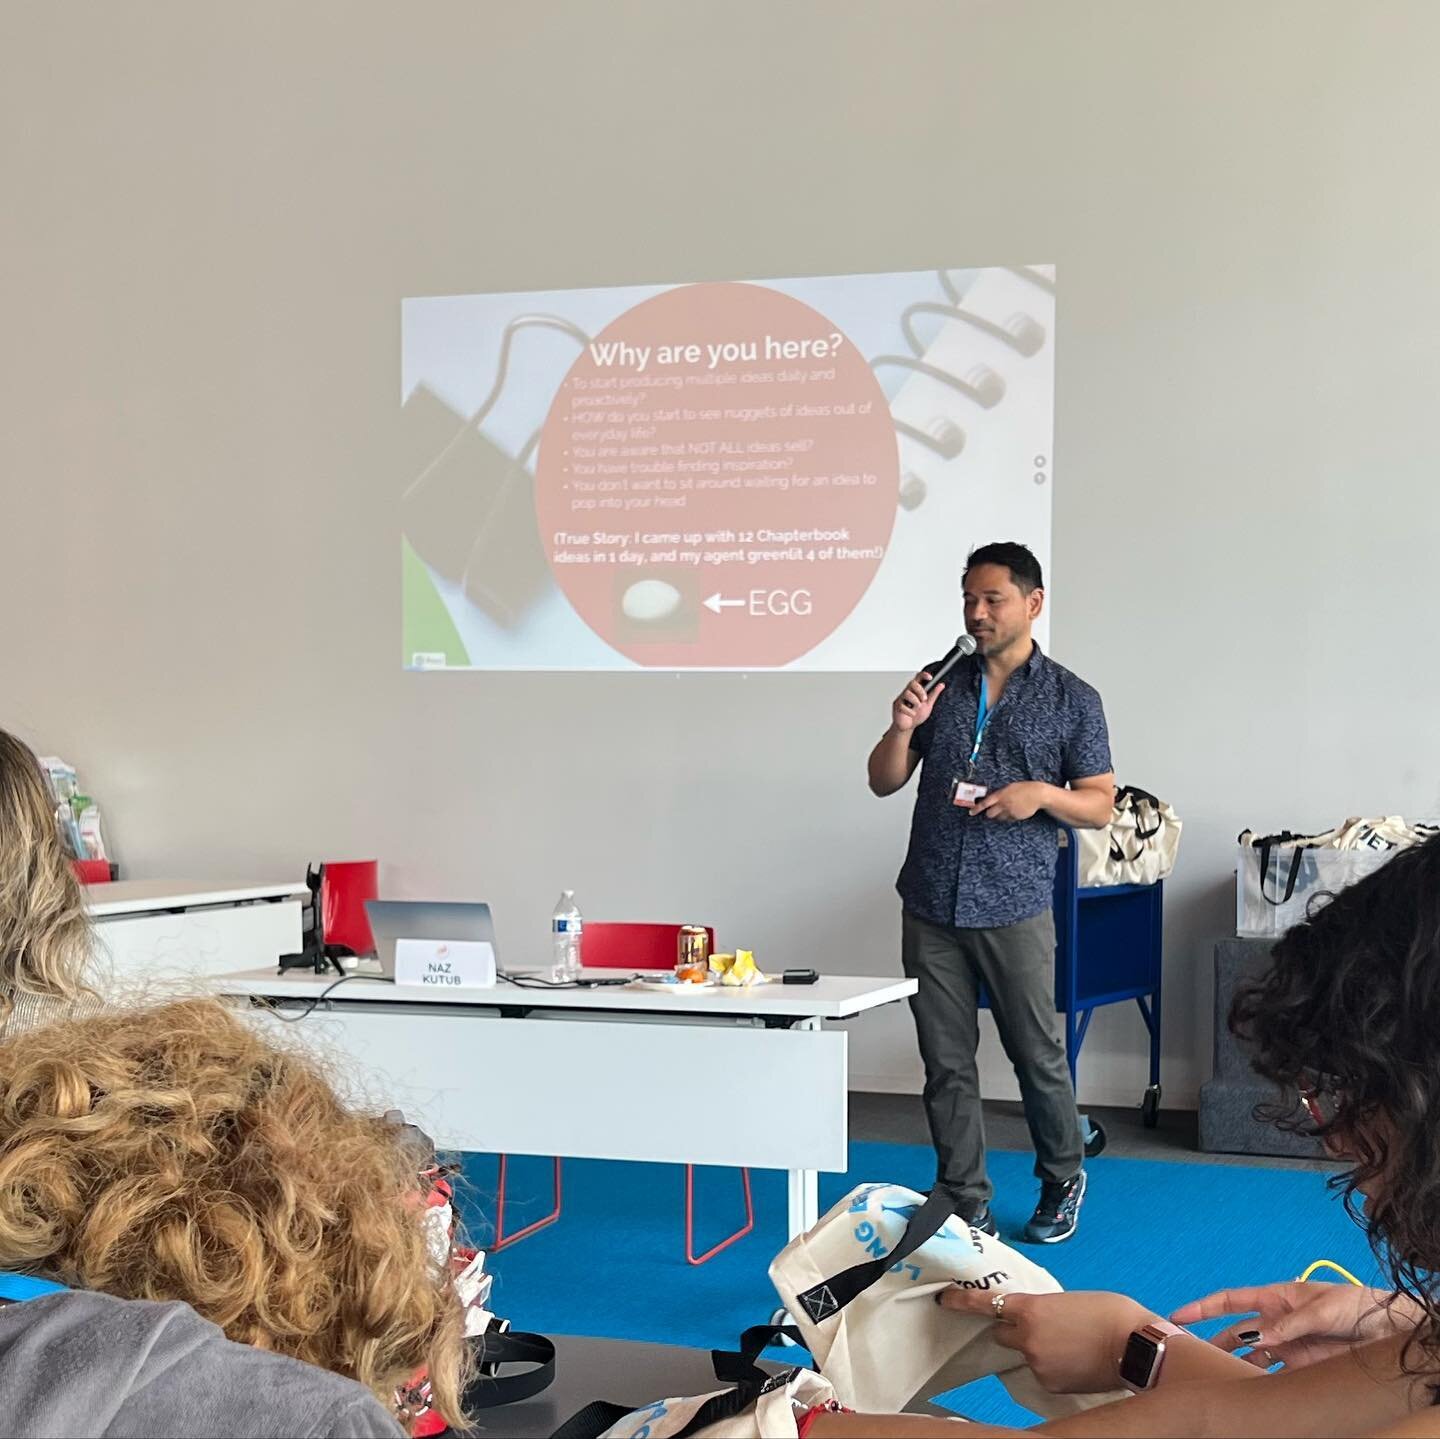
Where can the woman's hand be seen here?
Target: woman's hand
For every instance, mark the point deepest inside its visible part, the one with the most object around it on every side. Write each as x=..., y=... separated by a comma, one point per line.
x=1072, y=1342
x=1299, y=1323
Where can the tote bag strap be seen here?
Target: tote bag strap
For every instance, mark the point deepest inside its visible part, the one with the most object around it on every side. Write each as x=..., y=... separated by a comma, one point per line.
x=1135, y=792
x=1263, y=849
x=822, y=1300
x=594, y=1419
x=511, y=1346
x=1137, y=797
x=739, y=1366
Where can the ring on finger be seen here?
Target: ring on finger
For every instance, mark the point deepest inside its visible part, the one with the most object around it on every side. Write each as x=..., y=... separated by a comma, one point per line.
x=998, y=1305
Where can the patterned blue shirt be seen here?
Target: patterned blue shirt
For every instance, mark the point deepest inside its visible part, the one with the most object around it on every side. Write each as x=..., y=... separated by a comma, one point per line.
x=970, y=872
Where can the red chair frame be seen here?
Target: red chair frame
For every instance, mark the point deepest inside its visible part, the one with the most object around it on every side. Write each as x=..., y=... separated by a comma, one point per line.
x=503, y=1240
x=637, y=947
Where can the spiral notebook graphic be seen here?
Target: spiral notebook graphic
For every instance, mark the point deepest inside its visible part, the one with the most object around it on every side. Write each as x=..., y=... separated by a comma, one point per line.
x=502, y=529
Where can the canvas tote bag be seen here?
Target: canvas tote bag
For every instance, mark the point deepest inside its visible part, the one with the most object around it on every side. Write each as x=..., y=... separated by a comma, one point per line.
x=861, y=1286
x=1138, y=846
x=1280, y=878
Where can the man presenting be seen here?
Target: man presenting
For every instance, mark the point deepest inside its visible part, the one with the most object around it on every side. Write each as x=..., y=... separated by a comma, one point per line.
x=997, y=745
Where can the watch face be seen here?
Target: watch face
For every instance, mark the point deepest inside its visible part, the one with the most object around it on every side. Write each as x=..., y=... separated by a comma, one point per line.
x=1137, y=1364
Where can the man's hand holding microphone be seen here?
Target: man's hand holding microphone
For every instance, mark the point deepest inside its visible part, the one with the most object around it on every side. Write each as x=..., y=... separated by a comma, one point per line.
x=892, y=761
x=914, y=704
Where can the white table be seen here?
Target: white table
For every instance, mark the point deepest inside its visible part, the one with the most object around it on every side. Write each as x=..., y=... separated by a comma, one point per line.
x=164, y=931
x=743, y=1077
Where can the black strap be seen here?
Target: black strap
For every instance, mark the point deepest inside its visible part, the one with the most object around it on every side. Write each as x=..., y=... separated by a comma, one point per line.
x=1143, y=836
x=1264, y=847
x=1137, y=796
x=738, y=1366
x=721, y=1407
x=831, y=1295
x=512, y=1346
x=594, y=1419
x=1135, y=792
x=1117, y=850
x=1284, y=836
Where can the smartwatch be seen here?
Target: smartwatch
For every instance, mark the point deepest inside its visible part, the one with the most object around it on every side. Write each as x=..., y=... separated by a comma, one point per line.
x=1144, y=1354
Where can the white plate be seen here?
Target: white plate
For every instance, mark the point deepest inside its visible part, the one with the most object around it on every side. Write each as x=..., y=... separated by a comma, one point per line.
x=670, y=985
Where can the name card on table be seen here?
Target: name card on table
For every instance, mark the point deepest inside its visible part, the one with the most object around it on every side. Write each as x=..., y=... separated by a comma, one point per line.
x=445, y=963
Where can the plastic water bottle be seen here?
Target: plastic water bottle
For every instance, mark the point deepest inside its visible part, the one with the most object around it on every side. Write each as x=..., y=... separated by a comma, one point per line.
x=566, y=928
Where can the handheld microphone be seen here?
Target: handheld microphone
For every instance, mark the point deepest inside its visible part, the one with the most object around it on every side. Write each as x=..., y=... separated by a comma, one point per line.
x=964, y=645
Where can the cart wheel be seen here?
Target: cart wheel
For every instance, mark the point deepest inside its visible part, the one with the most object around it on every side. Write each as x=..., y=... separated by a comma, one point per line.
x=779, y=1317
x=1095, y=1138
x=1150, y=1107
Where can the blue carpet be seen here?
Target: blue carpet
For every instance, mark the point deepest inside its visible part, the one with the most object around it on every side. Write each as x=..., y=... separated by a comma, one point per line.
x=613, y=1267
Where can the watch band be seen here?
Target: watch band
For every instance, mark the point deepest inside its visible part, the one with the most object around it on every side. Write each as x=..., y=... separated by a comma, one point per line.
x=1153, y=1337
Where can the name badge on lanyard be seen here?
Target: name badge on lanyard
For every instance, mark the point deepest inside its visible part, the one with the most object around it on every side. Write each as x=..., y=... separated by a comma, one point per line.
x=965, y=792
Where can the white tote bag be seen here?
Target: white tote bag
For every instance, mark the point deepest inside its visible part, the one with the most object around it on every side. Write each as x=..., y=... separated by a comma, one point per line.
x=861, y=1286
x=1138, y=846
x=1383, y=834
x=1282, y=878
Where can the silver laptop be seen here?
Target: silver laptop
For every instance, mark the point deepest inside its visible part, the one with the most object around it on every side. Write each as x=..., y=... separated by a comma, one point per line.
x=392, y=919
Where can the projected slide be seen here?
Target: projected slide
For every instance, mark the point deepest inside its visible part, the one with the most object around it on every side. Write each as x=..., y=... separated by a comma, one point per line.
x=775, y=474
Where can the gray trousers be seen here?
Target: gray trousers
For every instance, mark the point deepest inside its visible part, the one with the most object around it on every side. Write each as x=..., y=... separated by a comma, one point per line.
x=1016, y=964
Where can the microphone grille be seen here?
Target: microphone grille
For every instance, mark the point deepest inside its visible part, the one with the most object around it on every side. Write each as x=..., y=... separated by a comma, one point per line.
x=966, y=644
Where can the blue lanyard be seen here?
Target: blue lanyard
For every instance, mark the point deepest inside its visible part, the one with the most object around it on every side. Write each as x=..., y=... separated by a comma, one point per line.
x=982, y=718
x=15, y=1287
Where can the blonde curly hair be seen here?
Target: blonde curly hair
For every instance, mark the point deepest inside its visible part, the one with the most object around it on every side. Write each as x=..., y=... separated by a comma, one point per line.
x=175, y=1152
x=45, y=934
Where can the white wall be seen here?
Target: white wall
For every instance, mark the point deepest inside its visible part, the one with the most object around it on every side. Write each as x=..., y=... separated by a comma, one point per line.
x=210, y=213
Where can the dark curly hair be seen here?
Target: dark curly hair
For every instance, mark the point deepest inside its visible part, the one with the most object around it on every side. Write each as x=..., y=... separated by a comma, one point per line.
x=1350, y=1010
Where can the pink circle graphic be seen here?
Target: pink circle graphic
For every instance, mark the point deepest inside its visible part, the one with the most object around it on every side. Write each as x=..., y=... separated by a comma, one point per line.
x=717, y=479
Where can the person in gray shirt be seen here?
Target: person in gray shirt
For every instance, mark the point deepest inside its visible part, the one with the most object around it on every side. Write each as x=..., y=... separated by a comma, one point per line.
x=77, y=1364
x=180, y=1153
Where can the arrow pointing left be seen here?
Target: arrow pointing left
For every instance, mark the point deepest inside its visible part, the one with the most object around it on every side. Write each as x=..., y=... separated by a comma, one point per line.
x=715, y=603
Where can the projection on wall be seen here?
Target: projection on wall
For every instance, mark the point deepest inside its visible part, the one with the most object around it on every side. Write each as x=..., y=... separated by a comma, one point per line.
x=776, y=474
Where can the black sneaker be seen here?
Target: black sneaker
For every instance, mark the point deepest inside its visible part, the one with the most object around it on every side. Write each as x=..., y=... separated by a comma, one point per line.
x=1058, y=1211
x=979, y=1218
x=973, y=1212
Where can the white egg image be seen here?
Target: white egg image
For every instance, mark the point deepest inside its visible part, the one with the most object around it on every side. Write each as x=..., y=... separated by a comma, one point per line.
x=650, y=601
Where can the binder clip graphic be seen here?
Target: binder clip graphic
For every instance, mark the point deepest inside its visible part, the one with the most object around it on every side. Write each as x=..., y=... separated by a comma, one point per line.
x=990, y=320
x=468, y=507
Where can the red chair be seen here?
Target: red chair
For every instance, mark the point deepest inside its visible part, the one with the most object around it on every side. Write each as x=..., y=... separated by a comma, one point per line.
x=637, y=947
x=345, y=885
x=92, y=871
